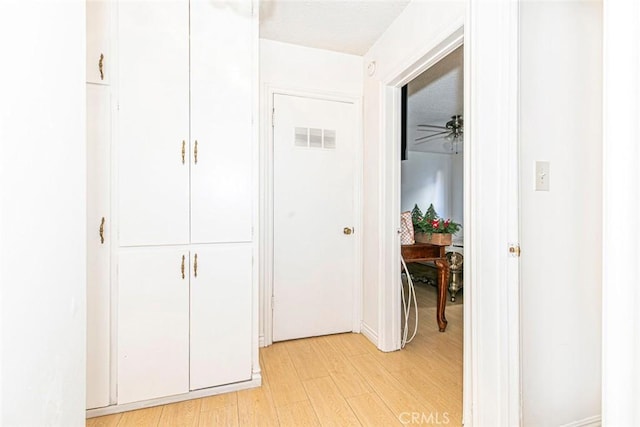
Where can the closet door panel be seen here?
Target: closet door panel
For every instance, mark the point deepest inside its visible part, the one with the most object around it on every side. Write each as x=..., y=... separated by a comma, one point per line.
x=220, y=315
x=98, y=245
x=98, y=41
x=153, y=122
x=153, y=324
x=221, y=110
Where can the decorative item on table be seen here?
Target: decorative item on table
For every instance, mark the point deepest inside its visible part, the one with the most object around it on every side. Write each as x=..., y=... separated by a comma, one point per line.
x=430, y=228
x=406, y=229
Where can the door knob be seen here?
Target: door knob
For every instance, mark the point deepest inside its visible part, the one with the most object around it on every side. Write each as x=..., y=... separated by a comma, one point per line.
x=101, y=230
x=100, y=66
x=347, y=230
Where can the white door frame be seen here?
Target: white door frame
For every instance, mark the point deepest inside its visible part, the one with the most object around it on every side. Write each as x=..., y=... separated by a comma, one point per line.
x=266, y=203
x=389, y=334
x=492, y=311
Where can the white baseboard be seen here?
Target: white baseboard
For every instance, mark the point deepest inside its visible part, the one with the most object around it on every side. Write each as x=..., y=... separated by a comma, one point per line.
x=368, y=332
x=255, y=381
x=595, y=421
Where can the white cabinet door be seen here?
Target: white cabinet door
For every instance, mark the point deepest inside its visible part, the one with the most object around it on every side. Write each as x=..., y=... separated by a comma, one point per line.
x=220, y=315
x=98, y=41
x=153, y=323
x=98, y=245
x=221, y=110
x=153, y=122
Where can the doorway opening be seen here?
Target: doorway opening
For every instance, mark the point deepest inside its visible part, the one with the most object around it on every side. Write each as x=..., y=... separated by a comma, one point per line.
x=432, y=206
x=432, y=190
x=390, y=334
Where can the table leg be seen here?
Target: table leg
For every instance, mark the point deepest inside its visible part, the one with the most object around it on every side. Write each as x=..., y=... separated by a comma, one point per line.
x=443, y=281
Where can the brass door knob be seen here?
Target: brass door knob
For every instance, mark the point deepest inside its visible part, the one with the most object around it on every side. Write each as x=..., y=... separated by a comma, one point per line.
x=101, y=230
x=101, y=66
x=347, y=230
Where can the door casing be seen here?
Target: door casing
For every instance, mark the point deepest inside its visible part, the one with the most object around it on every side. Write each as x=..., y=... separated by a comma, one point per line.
x=492, y=395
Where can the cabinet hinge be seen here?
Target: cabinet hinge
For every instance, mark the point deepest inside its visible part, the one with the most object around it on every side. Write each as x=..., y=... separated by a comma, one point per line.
x=514, y=250
x=273, y=117
x=273, y=302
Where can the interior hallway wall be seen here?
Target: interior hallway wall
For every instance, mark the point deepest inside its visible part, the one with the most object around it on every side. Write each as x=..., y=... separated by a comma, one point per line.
x=427, y=178
x=561, y=232
x=42, y=213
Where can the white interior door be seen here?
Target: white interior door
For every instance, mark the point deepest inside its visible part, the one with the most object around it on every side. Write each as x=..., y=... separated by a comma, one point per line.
x=313, y=271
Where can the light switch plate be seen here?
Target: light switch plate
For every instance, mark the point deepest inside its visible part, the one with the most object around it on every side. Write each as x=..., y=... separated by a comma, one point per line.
x=542, y=176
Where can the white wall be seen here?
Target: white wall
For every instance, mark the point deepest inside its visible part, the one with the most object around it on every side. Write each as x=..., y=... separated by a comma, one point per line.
x=291, y=67
x=560, y=92
x=285, y=65
x=427, y=178
x=420, y=25
x=434, y=178
x=621, y=217
x=42, y=223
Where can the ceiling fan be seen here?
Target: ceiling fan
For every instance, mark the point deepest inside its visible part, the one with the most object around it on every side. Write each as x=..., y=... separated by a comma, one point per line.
x=452, y=132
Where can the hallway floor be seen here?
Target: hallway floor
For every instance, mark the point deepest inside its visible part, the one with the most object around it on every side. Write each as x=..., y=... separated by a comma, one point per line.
x=339, y=380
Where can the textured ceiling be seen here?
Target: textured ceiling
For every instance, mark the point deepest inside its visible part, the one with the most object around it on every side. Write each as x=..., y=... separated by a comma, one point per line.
x=348, y=26
x=433, y=97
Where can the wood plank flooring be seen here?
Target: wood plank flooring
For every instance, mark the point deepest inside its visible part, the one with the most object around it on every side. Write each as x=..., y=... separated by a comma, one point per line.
x=337, y=380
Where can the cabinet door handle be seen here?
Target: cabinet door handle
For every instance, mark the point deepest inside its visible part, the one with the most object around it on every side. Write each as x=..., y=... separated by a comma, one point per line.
x=100, y=66
x=184, y=145
x=195, y=153
x=195, y=265
x=102, y=231
x=182, y=267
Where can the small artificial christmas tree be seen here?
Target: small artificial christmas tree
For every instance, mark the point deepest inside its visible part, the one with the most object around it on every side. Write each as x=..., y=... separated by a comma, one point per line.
x=416, y=215
x=431, y=213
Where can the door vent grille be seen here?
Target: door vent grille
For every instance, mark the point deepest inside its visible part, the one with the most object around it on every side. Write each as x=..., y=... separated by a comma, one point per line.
x=314, y=138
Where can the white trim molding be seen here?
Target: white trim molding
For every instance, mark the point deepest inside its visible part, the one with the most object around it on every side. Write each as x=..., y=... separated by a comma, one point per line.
x=594, y=421
x=492, y=382
x=621, y=213
x=255, y=381
x=369, y=332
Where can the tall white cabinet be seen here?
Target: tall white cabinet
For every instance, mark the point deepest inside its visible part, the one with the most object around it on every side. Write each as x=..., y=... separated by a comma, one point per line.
x=183, y=289
x=185, y=122
x=99, y=219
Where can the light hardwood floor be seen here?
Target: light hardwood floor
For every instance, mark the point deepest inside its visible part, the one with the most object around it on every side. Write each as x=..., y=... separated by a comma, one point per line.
x=337, y=380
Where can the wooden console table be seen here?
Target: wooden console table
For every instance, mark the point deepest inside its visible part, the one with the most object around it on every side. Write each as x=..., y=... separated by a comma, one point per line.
x=423, y=252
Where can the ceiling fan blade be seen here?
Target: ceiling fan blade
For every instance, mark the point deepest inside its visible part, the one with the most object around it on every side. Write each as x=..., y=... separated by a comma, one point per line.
x=432, y=126
x=433, y=130
x=425, y=138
